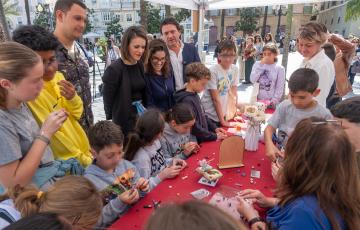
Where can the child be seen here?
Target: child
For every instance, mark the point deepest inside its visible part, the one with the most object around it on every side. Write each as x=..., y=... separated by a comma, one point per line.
x=222, y=85
x=70, y=141
x=348, y=112
x=176, y=137
x=249, y=58
x=319, y=187
x=197, y=77
x=269, y=75
x=144, y=149
x=310, y=40
x=303, y=86
x=192, y=215
x=108, y=168
x=41, y=221
x=73, y=197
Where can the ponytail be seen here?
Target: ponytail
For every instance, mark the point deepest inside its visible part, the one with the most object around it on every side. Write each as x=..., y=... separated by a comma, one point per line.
x=148, y=126
x=27, y=200
x=180, y=113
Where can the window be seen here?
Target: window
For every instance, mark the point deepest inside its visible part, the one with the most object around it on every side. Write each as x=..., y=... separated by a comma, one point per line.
x=128, y=17
x=106, y=16
x=231, y=12
x=214, y=12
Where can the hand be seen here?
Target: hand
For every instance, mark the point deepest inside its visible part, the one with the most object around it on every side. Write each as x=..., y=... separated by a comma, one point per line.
x=67, y=89
x=179, y=162
x=54, y=121
x=272, y=151
x=220, y=133
x=245, y=209
x=275, y=170
x=170, y=172
x=190, y=147
x=129, y=196
x=259, y=198
x=143, y=184
x=225, y=123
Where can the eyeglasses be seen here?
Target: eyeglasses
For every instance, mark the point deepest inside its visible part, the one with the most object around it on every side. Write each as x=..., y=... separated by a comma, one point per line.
x=331, y=121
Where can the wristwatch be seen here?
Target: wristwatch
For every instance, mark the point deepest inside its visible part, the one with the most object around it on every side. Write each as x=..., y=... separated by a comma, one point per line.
x=255, y=220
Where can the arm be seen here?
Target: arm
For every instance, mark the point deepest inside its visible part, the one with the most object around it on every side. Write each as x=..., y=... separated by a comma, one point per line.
x=111, y=81
x=346, y=47
x=279, y=86
x=214, y=93
x=196, y=55
x=256, y=71
x=111, y=211
x=74, y=106
x=149, y=101
x=202, y=134
x=271, y=150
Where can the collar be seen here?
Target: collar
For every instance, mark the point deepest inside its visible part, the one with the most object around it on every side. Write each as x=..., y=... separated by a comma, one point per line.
x=181, y=47
x=315, y=60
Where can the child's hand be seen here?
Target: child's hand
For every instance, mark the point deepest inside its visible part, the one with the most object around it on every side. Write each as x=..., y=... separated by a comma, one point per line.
x=143, y=184
x=179, y=162
x=220, y=133
x=190, y=147
x=67, y=89
x=170, y=172
x=129, y=196
x=272, y=152
x=275, y=170
x=225, y=123
x=259, y=198
x=245, y=209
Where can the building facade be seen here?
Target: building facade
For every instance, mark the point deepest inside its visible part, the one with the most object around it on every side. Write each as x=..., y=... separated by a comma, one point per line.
x=332, y=15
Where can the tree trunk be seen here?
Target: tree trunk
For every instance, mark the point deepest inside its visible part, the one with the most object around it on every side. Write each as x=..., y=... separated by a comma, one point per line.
x=4, y=30
x=263, y=31
x=143, y=14
x=167, y=11
x=222, y=24
x=27, y=10
x=289, y=17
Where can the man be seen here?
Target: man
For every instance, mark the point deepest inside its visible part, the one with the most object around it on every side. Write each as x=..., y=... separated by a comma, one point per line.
x=348, y=112
x=70, y=24
x=181, y=54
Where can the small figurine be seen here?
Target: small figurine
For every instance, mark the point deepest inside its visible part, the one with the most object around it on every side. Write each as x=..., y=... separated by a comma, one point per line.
x=208, y=171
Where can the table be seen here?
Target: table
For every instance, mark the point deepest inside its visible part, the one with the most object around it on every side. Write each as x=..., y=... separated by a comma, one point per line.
x=179, y=189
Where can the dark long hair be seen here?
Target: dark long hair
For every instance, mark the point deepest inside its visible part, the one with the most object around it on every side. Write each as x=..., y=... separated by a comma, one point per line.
x=155, y=46
x=180, y=113
x=131, y=33
x=320, y=161
x=147, y=127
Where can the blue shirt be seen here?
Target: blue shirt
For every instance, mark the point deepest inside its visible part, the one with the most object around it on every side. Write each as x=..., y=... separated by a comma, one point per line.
x=302, y=213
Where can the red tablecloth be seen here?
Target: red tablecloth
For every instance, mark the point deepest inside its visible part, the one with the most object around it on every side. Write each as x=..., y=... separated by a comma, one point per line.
x=178, y=189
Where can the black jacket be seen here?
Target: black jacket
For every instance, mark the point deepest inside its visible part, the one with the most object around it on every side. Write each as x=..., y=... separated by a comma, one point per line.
x=117, y=95
x=203, y=128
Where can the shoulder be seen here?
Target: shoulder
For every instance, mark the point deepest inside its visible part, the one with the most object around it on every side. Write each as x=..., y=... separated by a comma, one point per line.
x=126, y=164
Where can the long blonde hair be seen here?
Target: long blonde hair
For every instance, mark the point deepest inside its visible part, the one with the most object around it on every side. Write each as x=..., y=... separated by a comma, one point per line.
x=15, y=61
x=72, y=197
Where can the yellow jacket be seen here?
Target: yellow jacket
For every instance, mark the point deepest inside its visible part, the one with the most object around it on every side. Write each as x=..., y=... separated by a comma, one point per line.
x=70, y=140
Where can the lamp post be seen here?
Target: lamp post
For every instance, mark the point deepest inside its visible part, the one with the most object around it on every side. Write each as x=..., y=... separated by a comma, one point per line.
x=278, y=12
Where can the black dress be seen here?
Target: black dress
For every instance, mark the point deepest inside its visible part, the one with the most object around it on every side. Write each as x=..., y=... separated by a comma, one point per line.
x=123, y=84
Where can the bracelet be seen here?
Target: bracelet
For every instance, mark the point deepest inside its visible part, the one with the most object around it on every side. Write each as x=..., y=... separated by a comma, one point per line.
x=43, y=138
x=255, y=220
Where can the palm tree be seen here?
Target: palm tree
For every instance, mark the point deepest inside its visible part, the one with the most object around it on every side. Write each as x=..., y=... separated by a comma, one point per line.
x=143, y=13
x=4, y=30
x=352, y=10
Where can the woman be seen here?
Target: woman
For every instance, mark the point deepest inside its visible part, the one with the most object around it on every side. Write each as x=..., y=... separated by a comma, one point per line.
x=310, y=40
x=268, y=38
x=249, y=57
x=319, y=186
x=124, y=83
x=25, y=155
x=159, y=77
x=258, y=44
x=112, y=52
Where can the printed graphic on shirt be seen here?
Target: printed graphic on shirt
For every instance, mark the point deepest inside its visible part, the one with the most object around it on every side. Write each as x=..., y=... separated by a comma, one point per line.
x=265, y=81
x=224, y=84
x=157, y=162
x=121, y=184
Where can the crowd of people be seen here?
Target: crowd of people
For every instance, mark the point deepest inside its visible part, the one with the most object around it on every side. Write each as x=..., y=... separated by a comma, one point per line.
x=56, y=165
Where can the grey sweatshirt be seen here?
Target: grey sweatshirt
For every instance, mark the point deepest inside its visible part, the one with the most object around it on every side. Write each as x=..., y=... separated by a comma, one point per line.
x=150, y=161
x=102, y=179
x=171, y=143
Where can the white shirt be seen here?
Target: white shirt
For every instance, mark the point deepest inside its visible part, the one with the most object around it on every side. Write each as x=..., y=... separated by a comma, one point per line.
x=221, y=80
x=177, y=65
x=324, y=67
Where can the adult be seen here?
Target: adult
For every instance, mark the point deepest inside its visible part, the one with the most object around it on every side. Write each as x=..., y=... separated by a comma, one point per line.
x=124, y=82
x=310, y=40
x=25, y=155
x=268, y=38
x=311, y=194
x=159, y=77
x=70, y=24
x=112, y=52
x=181, y=54
x=258, y=44
x=249, y=57
x=71, y=140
